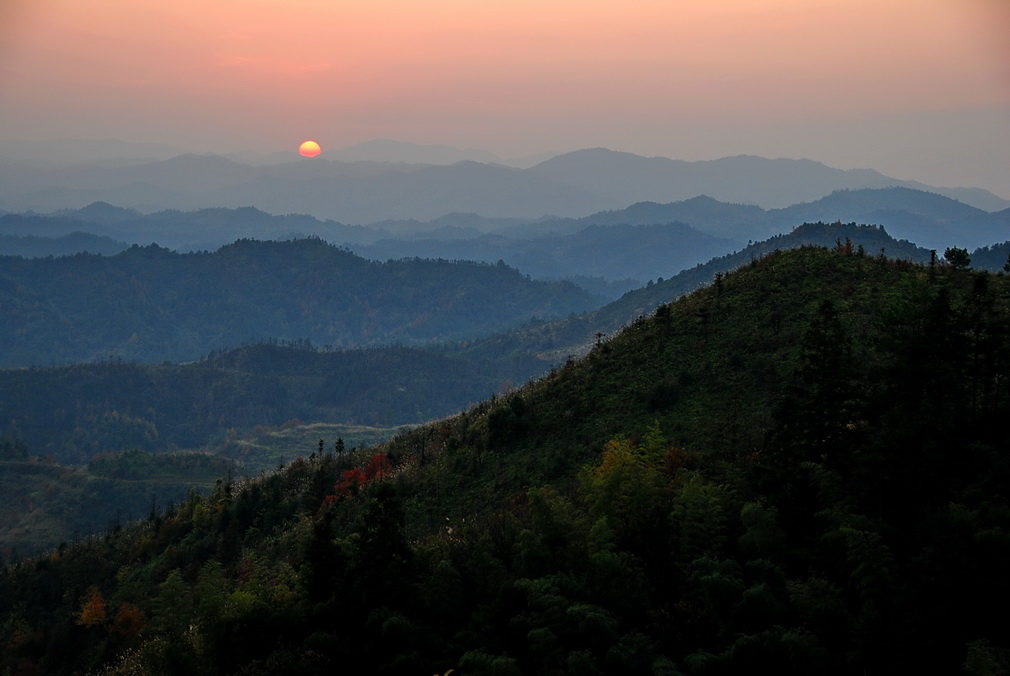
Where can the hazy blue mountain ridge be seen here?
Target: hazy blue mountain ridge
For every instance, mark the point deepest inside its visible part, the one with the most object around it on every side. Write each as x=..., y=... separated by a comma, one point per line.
x=32, y=246
x=547, y=247
x=609, y=252
x=205, y=229
x=747, y=179
x=571, y=185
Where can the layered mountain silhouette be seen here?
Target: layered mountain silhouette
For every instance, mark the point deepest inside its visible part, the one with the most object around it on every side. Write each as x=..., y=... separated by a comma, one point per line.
x=631, y=245
x=571, y=185
x=65, y=410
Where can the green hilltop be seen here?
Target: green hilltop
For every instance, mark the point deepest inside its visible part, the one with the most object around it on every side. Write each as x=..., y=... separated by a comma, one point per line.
x=800, y=468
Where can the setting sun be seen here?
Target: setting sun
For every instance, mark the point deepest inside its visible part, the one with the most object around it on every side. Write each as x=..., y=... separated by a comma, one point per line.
x=309, y=149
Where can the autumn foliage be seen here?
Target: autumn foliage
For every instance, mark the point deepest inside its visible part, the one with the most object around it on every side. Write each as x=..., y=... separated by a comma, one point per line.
x=129, y=621
x=377, y=467
x=93, y=611
x=356, y=479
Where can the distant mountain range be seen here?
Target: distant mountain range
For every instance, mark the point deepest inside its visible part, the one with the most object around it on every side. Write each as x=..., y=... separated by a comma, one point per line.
x=571, y=185
x=111, y=152
x=626, y=247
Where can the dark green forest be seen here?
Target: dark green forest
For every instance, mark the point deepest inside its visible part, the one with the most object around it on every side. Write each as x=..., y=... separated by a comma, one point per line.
x=75, y=412
x=152, y=305
x=44, y=505
x=799, y=468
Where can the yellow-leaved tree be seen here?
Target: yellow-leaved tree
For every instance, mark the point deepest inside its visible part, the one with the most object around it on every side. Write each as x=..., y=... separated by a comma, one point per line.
x=93, y=609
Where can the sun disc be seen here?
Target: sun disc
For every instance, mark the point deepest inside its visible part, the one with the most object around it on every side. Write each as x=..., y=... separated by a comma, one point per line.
x=309, y=149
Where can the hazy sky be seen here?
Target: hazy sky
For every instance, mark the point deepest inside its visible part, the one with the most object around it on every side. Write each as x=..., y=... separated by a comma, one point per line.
x=918, y=89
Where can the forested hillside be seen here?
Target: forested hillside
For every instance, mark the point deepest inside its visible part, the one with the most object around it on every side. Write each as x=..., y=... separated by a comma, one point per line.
x=45, y=505
x=797, y=469
x=75, y=412
x=149, y=304
x=555, y=340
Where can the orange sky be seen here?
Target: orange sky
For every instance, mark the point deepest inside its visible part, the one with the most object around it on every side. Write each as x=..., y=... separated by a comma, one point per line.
x=915, y=88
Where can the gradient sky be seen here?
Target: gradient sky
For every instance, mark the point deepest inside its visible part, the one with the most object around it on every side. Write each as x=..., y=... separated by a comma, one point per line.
x=918, y=89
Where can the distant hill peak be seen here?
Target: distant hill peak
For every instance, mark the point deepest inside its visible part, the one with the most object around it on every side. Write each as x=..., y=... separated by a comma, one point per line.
x=103, y=212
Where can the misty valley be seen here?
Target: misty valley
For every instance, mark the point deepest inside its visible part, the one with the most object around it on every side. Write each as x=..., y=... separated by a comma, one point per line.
x=603, y=414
